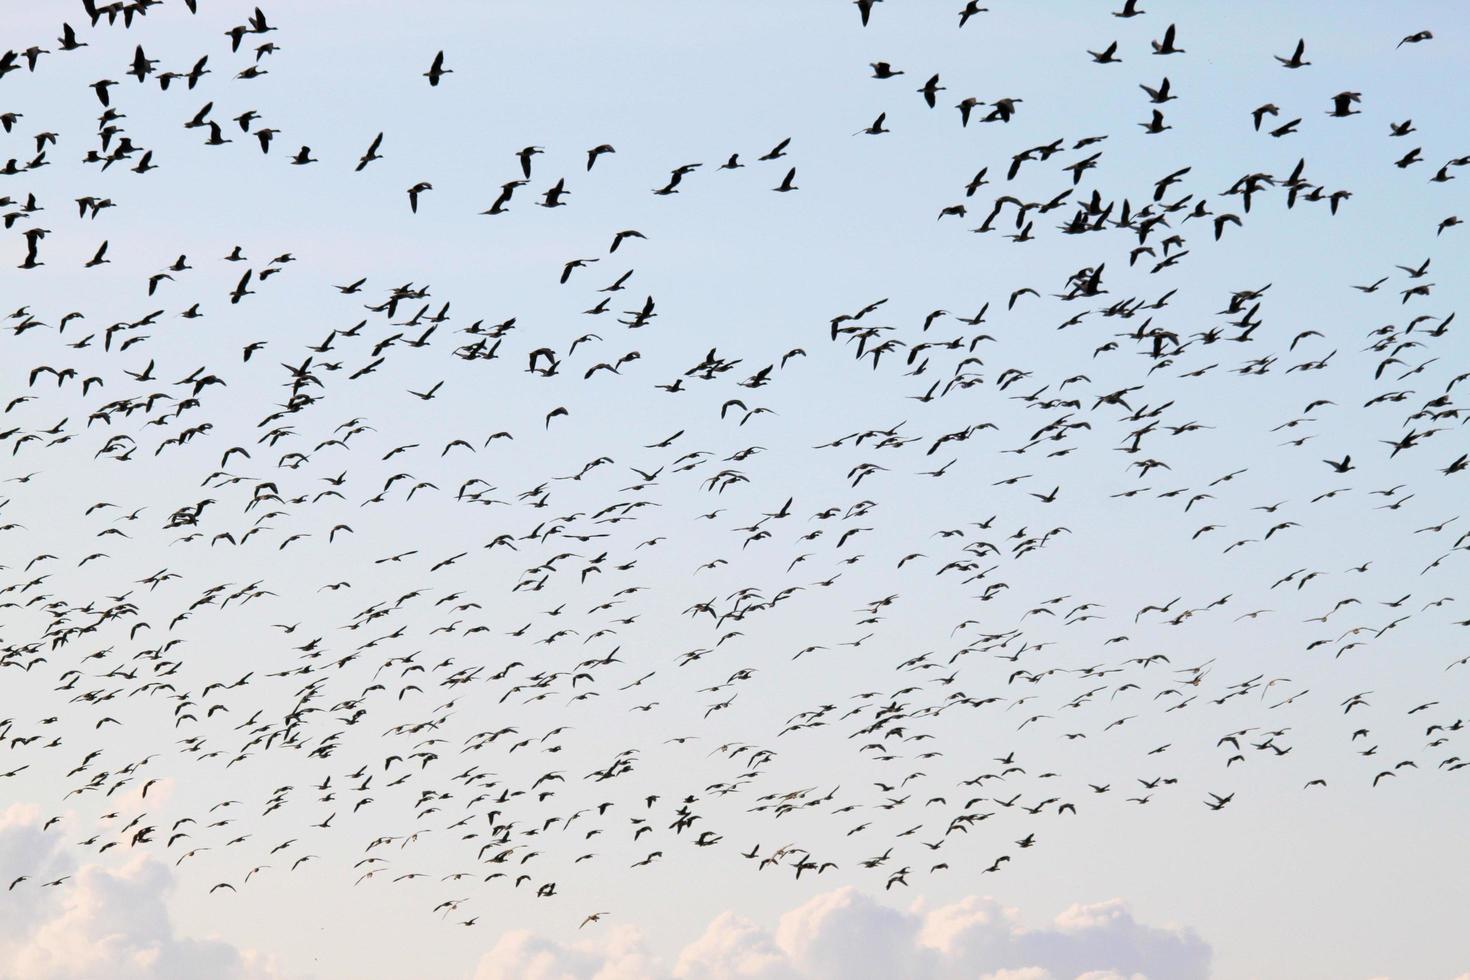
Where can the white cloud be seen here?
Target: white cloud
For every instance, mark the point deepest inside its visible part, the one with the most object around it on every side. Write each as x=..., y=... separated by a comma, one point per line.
x=113, y=923
x=101, y=923
x=734, y=946
x=846, y=935
x=521, y=955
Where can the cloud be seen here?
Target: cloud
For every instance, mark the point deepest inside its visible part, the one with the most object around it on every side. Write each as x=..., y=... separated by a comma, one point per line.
x=734, y=946
x=102, y=922
x=846, y=934
x=521, y=955
x=112, y=922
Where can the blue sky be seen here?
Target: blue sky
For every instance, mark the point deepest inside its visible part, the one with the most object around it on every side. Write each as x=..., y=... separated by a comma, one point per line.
x=754, y=275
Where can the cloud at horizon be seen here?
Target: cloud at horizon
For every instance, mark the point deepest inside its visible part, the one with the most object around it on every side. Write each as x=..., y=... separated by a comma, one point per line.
x=846, y=934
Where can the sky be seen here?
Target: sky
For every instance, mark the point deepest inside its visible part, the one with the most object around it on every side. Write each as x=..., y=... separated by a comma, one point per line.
x=1169, y=888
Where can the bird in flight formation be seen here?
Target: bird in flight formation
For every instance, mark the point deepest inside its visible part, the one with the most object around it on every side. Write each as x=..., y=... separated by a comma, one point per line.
x=433, y=595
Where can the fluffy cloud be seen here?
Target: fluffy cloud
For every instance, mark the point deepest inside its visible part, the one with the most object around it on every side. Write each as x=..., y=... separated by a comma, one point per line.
x=113, y=923
x=734, y=946
x=521, y=955
x=101, y=923
x=845, y=934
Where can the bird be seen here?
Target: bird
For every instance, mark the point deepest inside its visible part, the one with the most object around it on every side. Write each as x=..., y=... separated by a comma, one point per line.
x=930, y=90
x=1166, y=46
x=623, y=236
x=1162, y=94
x=1295, y=61
x=371, y=154
x=778, y=151
x=437, y=70
x=596, y=152
x=1343, y=102
x=525, y=155
x=1156, y=124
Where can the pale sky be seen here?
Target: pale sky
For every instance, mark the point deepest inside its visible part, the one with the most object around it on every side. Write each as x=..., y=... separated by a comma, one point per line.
x=557, y=602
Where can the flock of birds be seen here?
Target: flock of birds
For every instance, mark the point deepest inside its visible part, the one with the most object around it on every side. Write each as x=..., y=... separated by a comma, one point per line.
x=472, y=710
